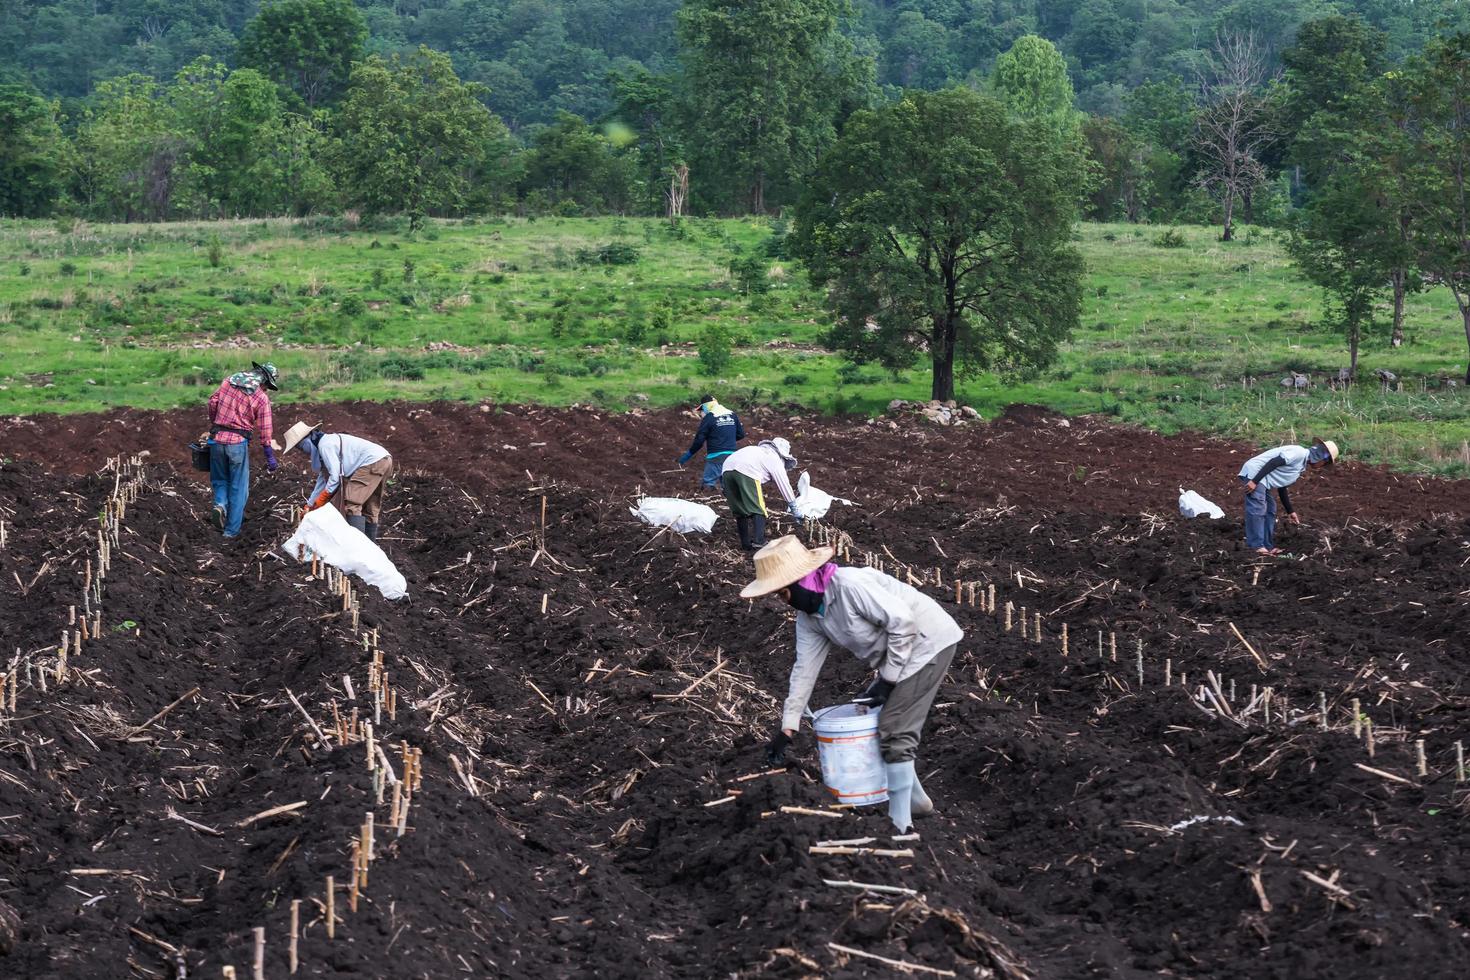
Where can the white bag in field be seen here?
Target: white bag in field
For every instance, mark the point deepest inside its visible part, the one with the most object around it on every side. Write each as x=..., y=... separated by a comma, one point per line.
x=681, y=515
x=1192, y=504
x=812, y=504
x=326, y=533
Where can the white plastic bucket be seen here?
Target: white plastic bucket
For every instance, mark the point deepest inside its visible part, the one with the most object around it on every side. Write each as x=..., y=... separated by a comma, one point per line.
x=847, y=744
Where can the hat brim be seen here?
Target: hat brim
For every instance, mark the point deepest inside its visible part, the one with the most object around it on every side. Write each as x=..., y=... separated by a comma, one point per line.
x=1331, y=455
x=815, y=559
x=265, y=378
x=292, y=444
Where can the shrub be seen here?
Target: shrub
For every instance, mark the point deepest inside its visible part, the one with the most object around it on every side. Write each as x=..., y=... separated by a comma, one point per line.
x=379, y=277
x=398, y=367
x=750, y=274
x=613, y=253
x=714, y=350
x=352, y=306
x=68, y=268
x=25, y=269
x=1171, y=238
x=216, y=251
x=794, y=380
x=408, y=270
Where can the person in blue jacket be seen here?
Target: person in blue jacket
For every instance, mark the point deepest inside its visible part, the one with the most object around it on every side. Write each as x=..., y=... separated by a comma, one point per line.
x=1276, y=469
x=719, y=431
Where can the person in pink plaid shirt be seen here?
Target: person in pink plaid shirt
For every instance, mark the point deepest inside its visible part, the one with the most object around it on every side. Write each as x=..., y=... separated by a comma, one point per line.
x=238, y=410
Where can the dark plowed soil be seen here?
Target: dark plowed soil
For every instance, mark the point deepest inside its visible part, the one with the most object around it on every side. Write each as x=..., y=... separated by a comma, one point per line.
x=1089, y=825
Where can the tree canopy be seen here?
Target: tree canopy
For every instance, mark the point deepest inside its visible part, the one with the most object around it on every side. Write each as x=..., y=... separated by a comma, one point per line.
x=942, y=224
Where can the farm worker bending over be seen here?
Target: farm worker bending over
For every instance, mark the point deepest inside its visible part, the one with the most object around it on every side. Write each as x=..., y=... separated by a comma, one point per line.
x=355, y=467
x=1276, y=469
x=745, y=470
x=238, y=409
x=893, y=628
x=719, y=430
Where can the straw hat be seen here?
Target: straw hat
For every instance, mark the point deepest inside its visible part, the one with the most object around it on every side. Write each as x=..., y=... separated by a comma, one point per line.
x=297, y=432
x=1331, y=448
x=782, y=562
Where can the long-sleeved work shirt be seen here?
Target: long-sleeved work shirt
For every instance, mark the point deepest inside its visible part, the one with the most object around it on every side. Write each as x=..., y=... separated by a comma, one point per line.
x=718, y=432
x=336, y=456
x=1276, y=469
x=230, y=408
x=761, y=463
x=892, y=627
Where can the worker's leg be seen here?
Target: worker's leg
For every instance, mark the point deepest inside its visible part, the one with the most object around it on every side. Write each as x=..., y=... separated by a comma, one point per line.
x=360, y=485
x=900, y=725
x=372, y=507
x=743, y=495
x=1270, y=518
x=1255, y=518
x=902, y=719
x=238, y=455
x=712, y=470
x=219, y=482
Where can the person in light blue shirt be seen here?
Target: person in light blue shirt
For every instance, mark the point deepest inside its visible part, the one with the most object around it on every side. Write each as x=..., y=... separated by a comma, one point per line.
x=1276, y=469
x=351, y=469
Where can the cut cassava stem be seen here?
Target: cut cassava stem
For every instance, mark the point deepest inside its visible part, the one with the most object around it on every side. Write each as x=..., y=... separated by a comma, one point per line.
x=1459, y=751
x=295, y=933
x=1357, y=719
x=331, y=907
x=1421, y=763
x=258, y=972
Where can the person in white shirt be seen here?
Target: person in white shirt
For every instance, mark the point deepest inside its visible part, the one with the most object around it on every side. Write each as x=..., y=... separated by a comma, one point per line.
x=353, y=470
x=744, y=473
x=892, y=627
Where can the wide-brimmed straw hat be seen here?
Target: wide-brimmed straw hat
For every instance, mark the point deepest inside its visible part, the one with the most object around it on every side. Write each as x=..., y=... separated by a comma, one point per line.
x=298, y=432
x=1331, y=448
x=782, y=562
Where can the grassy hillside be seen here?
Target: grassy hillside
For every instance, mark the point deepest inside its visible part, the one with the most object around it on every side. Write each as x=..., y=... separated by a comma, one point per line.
x=612, y=311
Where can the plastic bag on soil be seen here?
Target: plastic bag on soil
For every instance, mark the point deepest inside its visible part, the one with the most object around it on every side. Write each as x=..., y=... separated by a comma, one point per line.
x=812, y=504
x=326, y=533
x=1192, y=504
x=681, y=515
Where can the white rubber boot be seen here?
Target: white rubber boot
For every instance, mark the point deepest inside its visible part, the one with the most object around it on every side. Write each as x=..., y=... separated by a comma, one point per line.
x=901, y=782
x=920, y=802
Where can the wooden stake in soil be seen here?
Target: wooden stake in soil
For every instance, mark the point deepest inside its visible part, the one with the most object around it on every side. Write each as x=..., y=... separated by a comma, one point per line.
x=1024, y=620
x=1008, y=616
x=1357, y=719
x=295, y=932
x=1168, y=672
x=1140, y=663
x=1459, y=748
x=1419, y=758
x=990, y=598
x=1064, y=639
x=259, y=971
x=1322, y=710
x=1036, y=631
x=1368, y=729
x=1113, y=646
x=331, y=908
x=353, y=888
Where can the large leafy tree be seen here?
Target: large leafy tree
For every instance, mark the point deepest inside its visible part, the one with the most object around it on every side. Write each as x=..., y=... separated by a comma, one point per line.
x=765, y=83
x=572, y=164
x=32, y=153
x=942, y=223
x=129, y=158
x=306, y=46
x=1435, y=165
x=412, y=137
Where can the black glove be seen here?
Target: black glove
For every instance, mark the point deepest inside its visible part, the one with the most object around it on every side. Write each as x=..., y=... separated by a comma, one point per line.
x=776, y=748
x=876, y=693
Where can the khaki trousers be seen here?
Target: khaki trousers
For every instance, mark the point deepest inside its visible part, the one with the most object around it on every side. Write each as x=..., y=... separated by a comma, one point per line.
x=362, y=492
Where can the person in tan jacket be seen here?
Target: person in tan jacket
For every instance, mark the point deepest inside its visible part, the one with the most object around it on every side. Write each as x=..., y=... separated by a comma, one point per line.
x=895, y=629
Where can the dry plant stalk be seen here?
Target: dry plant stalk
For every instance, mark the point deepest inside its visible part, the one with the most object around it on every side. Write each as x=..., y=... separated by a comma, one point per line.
x=331, y=907
x=1064, y=639
x=295, y=933
x=1036, y=629
x=1419, y=757
x=1357, y=719
x=259, y=968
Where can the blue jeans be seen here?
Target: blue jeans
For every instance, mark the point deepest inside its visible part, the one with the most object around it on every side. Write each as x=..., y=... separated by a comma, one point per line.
x=229, y=474
x=1260, y=518
x=712, y=470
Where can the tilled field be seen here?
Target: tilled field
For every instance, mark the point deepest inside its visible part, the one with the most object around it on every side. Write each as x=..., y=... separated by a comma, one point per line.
x=582, y=810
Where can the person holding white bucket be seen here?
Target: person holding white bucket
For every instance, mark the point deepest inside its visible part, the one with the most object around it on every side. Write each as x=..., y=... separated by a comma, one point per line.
x=894, y=628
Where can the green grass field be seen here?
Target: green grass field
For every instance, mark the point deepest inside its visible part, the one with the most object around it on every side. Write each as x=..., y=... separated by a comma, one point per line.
x=612, y=310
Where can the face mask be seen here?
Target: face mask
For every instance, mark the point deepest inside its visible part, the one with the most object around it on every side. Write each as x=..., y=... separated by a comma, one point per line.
x=1318, y=454
x=805, y=600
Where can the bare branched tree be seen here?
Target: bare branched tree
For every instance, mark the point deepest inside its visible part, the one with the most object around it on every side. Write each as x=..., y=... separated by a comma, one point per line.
x=1233, y=126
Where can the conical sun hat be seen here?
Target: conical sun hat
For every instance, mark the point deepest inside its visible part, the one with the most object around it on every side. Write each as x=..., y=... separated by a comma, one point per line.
x=782, y=562
x=297, y=432
x=1331, y=448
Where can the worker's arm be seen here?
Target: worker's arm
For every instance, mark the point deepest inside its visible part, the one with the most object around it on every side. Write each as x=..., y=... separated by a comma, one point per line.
x=892, y=615
x=777, y=473
x=331, y=476
x=213, y=405
x=1271, y=464
x=812, y=647
x=739, y=429
x=1285, y=500
x=700, y=435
